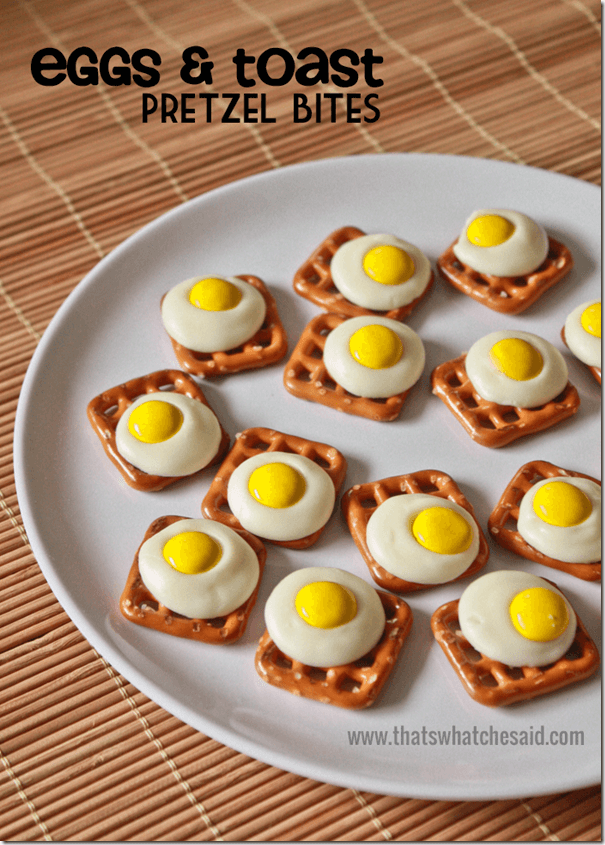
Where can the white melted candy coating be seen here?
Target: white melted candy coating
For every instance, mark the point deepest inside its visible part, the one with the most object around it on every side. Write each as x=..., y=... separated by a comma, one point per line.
x=585, y=346
x=319, y=646
x=485, y=620
x=519, y=255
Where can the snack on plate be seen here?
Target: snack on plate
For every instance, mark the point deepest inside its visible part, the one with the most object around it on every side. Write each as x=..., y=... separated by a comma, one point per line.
x=551, y=516
x=279, y=487
x=157, y=429
x=415, y=531
x=513, y=636
x=509, y=384
x=504, y=260
x=331, y=637
x=582, y=335
x=194, y=578
x=364, y=366
x=353, y=274
x=220, y=325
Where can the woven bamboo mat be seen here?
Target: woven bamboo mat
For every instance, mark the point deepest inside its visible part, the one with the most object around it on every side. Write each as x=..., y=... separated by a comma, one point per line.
x=84, y=755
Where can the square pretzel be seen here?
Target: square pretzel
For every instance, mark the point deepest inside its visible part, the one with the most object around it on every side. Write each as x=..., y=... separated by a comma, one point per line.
x=313, y=280
x=502, y=523
x=138, y=605
x=306, y=376
x=489, y=423
x=354, y=685
x=254, y=441
x=267, y=346
x=507, y=294
x=360, y=502
x=595, y=372
x=493, y=683
x=105, y=411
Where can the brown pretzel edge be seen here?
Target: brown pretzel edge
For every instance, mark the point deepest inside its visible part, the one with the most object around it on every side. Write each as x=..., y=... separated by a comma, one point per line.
x=594, y=371
x=307, y=377
x=313, y=280
x=267, y=346
x=506, y=294
x=355, y=685
x=138, y=605
x=502, y=522
x=253, y=441
x=106, y=409
x=489, y=423
x=492, y=683
x=361, y=500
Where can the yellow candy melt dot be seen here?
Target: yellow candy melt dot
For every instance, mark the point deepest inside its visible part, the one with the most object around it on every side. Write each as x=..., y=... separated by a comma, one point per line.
x=324, y=604
x=388, y=265
x=516, y=358
x=591, y=319
x=376, y=347
x=442, y=530
x=489, y=230
x=563, y=504
x=539, y=614
x=192, y=552
x=214, y=295
x=155, y=421
x=277, y=485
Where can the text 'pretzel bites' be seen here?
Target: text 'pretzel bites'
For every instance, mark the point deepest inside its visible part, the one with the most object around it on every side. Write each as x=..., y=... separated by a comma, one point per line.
x=253, y=441
x=104, y=413
x=493, y=683
x=139, y=606
x=502, y=523
x=489, y=423
x=360, y=502
x=306, y=376
x=508, y=295
x=267, y=346
x=354, y=685
x=313, y=280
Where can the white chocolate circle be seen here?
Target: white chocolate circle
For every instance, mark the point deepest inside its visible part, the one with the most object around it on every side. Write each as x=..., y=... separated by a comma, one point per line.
x=522, y=253
x=192, y=447
x=204, y=595
x=212, y=331
x=365, y=381
x=573, y=544
x=495, y=386
x=355, y=285
x=319, y=646
x=585, y=346
x=392, y=544
x=485, y=620
x=299, y=520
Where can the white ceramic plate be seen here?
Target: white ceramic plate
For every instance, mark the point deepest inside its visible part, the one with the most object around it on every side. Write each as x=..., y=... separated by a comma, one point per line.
x=85, y=524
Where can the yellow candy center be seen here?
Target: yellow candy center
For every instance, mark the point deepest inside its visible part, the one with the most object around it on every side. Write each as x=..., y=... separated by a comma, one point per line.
x=388, y=265
x=442, y=530
x=516, y=358
x=376, y=347
x=591, y=319
x=154, y=421
x=324, y=604
x=563, y=504
x=277, y=485
x=489, y=230
x=214, y=295
x=538, y=614
x=192, y=552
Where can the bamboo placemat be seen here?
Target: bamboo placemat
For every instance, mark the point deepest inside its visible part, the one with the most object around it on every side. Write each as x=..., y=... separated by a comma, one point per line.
x=84, y=755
